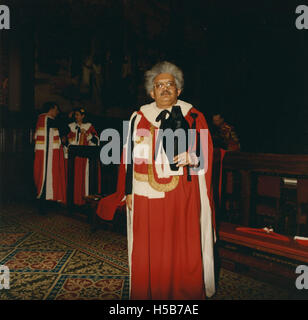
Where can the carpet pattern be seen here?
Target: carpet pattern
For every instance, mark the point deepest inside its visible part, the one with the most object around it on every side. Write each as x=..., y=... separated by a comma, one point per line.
x=56, y=257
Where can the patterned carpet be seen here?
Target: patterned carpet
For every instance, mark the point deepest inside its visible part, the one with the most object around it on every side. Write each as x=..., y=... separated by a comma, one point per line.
x=56, y=257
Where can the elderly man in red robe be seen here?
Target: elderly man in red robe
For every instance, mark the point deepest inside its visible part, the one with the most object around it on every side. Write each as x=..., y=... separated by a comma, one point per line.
x=49, y=173
x=169, y=203
x=170, y=212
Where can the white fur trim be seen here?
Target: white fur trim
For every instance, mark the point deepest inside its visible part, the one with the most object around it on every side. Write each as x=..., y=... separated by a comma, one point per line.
x=130, y=213
x=65, y=152
x=143, y=188
x=85, y=126
x=39, y=132
x=72, y=126
x=49, y=180
x=43, y=147
x=138, y=117
x=39, y=146
x=130, y=240
x=151, y=111
x=207, y=239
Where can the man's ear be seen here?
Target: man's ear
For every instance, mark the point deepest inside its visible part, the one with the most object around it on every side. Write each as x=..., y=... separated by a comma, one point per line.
x=179, y=91
x=152, y=94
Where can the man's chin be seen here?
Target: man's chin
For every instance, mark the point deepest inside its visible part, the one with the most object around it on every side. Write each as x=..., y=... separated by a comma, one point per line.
x=165, y=104
x=166, y=99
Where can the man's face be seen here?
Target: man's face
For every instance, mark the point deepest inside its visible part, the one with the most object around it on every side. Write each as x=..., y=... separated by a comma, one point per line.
x=218, y=120
x=54, y=111
x=79, y=117
x=165, y=92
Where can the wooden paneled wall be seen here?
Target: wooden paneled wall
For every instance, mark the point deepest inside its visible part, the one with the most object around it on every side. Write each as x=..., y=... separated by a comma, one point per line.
x=16, y=164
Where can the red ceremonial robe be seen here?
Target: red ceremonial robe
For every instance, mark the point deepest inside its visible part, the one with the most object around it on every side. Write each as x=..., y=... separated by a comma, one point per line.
x=81, y=179
x=49, y=168
x=171, y=226
x=107, y=206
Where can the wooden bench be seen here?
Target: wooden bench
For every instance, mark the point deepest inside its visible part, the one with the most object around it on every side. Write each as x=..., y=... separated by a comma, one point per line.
x=265, y=258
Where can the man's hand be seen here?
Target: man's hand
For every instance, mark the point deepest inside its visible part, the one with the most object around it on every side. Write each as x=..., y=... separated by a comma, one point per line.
x=186, y=159
x=63, y=140
x=181, y=159
x=129, y=201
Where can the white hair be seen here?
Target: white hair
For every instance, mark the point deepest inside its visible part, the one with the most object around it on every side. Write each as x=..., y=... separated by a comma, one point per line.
x=163, y=67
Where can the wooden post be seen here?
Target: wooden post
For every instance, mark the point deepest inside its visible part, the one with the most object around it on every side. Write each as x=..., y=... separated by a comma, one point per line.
x=245, y=196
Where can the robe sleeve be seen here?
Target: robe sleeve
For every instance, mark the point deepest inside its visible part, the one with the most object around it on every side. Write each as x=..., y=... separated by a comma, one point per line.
x=71, y=135
x=107, y=206
x=92, y=136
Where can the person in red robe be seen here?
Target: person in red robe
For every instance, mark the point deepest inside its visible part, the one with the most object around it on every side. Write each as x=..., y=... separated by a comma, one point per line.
x=169, y=203
x=224, y=135
x=49, y=171
x=82, y=133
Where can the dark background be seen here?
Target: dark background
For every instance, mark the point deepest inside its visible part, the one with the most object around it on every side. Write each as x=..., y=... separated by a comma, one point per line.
x=245, y=59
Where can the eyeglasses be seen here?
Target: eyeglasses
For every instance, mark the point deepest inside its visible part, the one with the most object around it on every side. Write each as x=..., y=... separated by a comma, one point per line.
x=160, y=85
